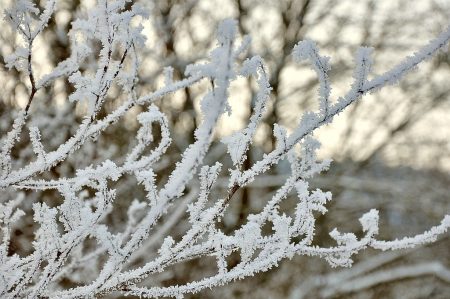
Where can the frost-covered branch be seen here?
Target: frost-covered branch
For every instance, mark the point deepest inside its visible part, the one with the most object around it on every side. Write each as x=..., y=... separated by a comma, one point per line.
x=74, y=232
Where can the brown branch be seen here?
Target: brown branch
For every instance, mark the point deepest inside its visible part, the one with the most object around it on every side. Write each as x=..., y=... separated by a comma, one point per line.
x=31, y=77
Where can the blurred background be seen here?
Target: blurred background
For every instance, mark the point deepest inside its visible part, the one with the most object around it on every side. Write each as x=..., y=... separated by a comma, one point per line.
x=391, y=150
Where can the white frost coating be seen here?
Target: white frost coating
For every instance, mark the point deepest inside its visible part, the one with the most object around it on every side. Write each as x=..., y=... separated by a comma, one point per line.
x=307, y=50
x=239, y=142
x=363, y=61
x=88, y=196
x=8, y=143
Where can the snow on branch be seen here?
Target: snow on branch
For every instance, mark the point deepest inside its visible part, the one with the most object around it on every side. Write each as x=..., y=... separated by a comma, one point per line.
x=88, y=196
